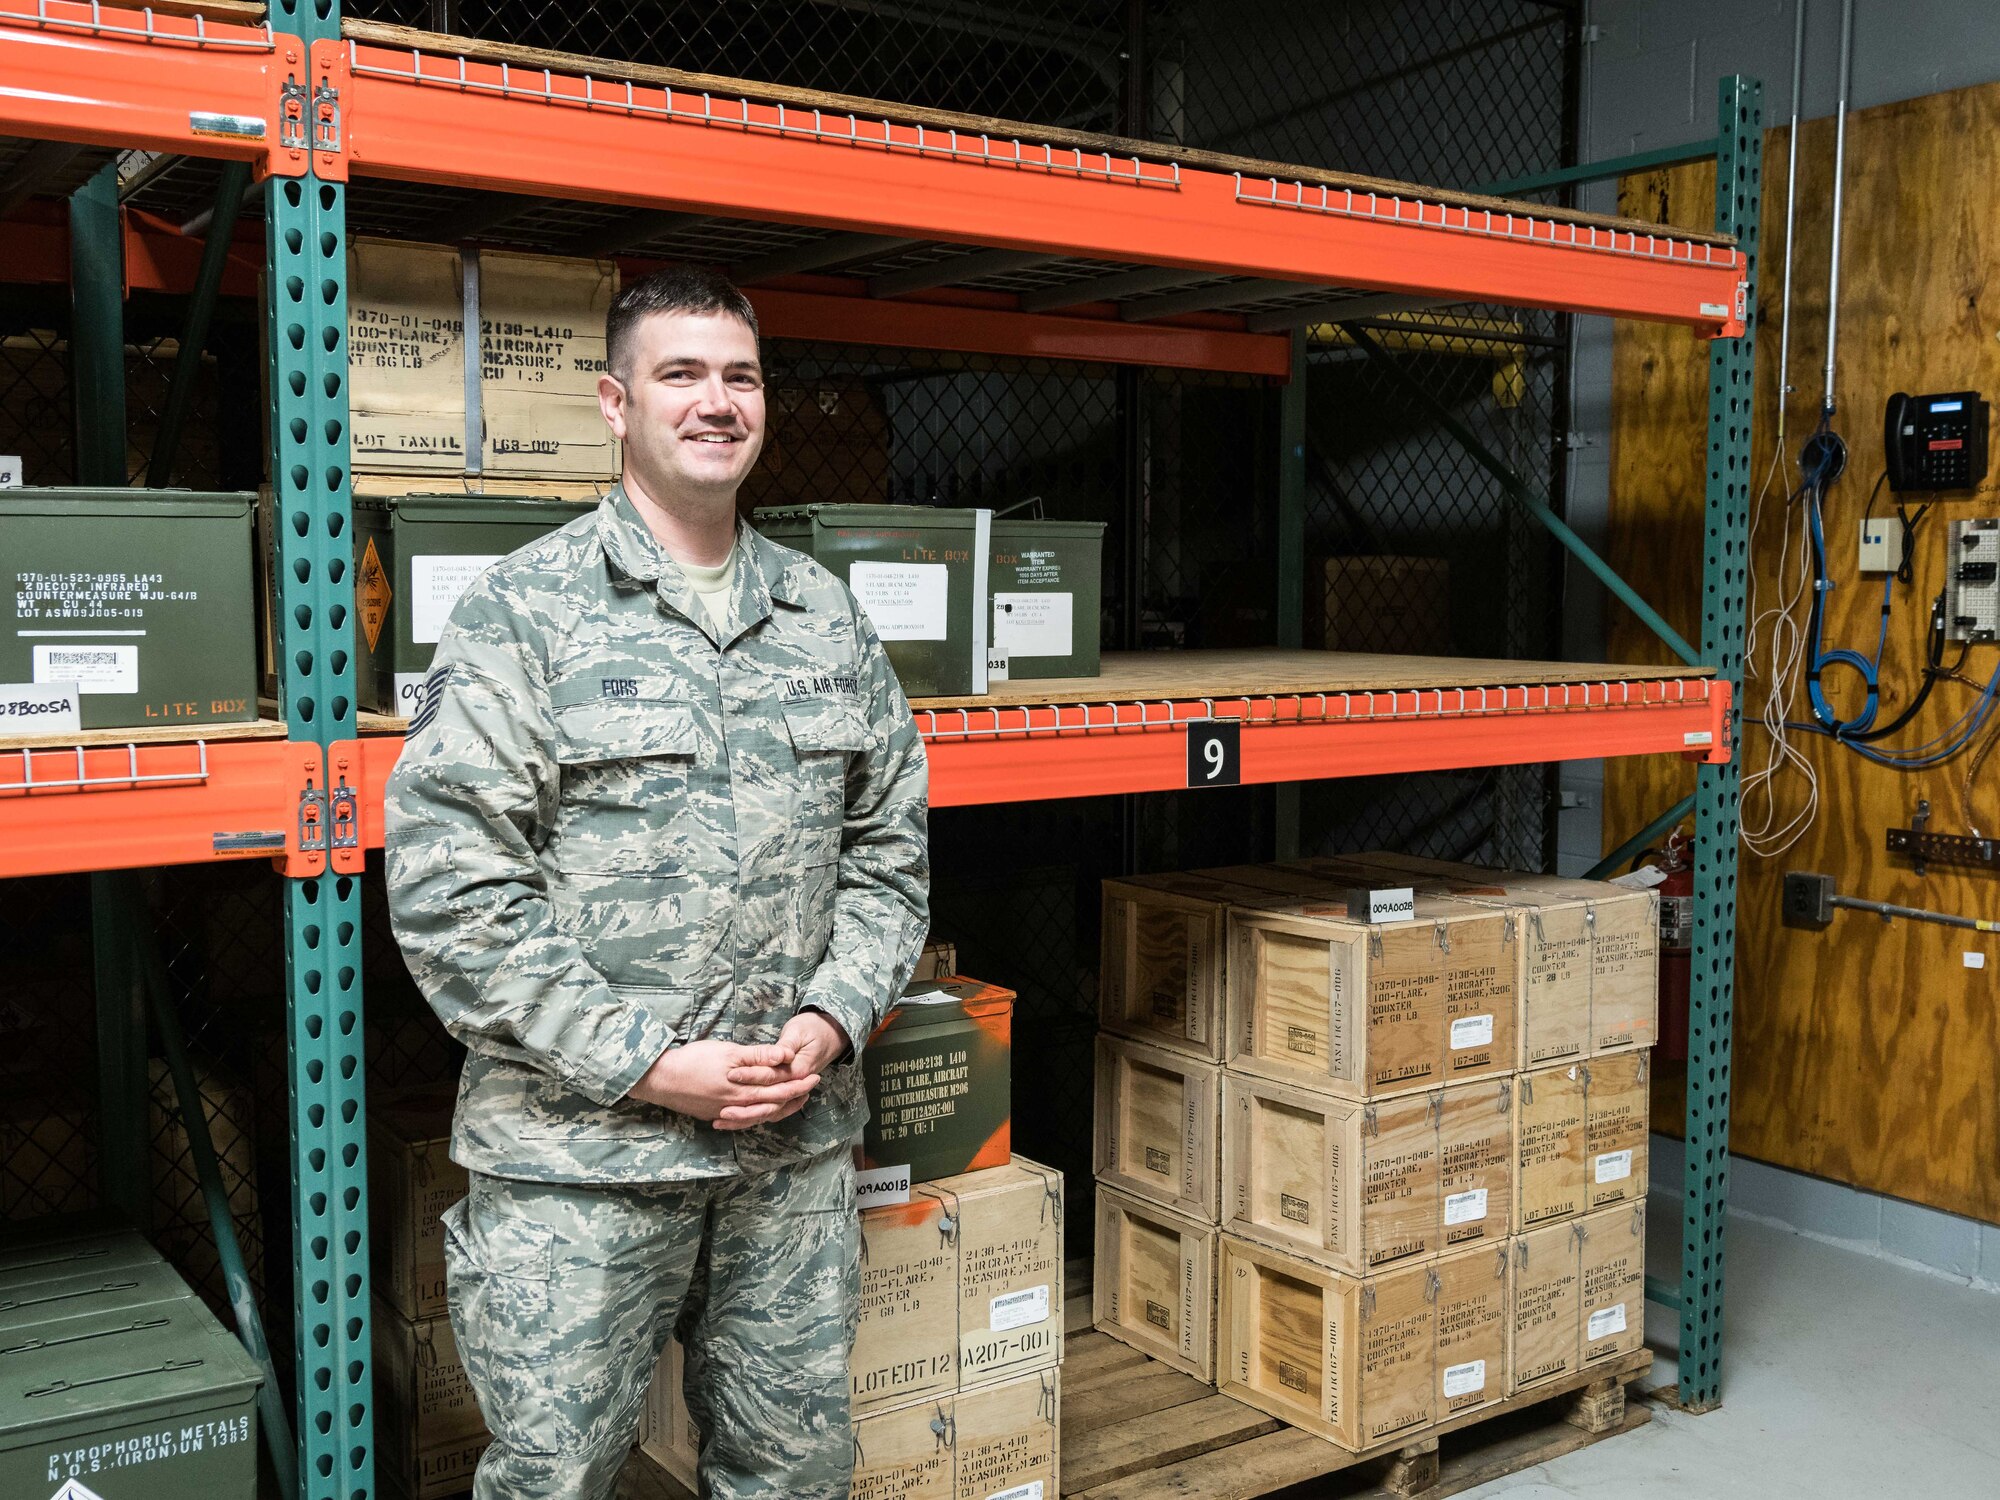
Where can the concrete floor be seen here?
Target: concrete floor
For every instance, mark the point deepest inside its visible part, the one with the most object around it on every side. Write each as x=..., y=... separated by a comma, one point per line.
x=1844, y=1376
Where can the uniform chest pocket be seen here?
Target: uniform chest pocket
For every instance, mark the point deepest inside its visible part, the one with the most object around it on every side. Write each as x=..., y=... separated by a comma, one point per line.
x=626, y=763
x=824, y=735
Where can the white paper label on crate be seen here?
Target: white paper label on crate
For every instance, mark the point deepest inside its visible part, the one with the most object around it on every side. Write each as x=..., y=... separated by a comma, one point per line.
x=1019, y=1309
x=10, y=471
x=409, y=690
x=1975, y=960
x=1468, y=1207
x=1614, y=1166
x=1033, y=624
x=93, y=669
x=435, y=584
x=1642, y=879
x=1465, y=1379
x=40, y=708
x=1471, y=1031
x=1032, y=1490
x=1396, y=903
x=878, y=1186
x=1607, y=1321
x=996, y=666
x=905, y=601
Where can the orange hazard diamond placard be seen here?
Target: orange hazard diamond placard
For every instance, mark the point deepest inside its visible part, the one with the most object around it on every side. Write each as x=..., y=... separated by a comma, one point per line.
x=372, y=594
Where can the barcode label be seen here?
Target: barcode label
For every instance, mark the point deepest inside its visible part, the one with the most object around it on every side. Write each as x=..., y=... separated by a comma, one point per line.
x=1471, y=1031
x=1465, y=1208
x=1018, y=1309
x=94, y=669
x=1614, y=1166
x=1465, y=1379
x=1607, y=1321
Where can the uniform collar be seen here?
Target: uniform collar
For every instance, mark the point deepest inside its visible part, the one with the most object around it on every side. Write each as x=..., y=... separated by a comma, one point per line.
x=762, y=572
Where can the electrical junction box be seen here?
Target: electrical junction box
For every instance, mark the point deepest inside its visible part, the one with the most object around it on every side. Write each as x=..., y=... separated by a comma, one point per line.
x=1972, y=581
x=142, y=598
x=1881, y=545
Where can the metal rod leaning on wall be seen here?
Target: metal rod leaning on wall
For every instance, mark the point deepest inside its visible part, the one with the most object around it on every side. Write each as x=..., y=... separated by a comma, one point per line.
x=208, y=1172
x=229, y=189
x=1517, y=490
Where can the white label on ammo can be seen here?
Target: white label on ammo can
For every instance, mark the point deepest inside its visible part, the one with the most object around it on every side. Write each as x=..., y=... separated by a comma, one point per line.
x=1019, y=1309
x=1471, y=1031
x=1463, y=1380
x=435, y=584
x=409, y=692
x=1468, y=1207
x=1607, y=1321
x=905, y=601
x=40, y=708
x=94, y=669
x=1033, y=624
x=1614, y=1166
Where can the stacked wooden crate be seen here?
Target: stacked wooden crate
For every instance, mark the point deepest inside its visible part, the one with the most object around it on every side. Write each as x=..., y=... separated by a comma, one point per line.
x=1407, y=1155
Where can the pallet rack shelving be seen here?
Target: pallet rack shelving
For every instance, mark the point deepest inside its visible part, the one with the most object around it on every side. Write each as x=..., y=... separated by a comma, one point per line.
x=942, y=231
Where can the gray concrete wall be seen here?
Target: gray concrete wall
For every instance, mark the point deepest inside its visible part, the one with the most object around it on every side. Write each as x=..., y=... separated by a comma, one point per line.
x=1649, y=81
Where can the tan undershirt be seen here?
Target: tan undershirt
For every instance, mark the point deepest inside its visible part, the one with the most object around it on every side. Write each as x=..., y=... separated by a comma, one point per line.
x=713, y=587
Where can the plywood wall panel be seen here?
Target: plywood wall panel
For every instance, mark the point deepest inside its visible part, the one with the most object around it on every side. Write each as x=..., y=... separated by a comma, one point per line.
x=1868, y=1053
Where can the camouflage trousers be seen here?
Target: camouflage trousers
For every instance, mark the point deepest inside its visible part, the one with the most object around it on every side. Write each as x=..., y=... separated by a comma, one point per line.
x=563, y=1297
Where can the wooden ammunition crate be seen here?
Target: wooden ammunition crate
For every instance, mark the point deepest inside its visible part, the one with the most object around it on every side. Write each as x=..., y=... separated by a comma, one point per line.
x=1579, y=1296
x=541, y=349
x=1153, y=1281
x=1474, y=1319
x=1549, y=1124
x=1616, y=1119
x=1367, y=1010
x=1351, y=1185
x=412, y=1181
x=1162, y=966
x=1010, y=1267
x=1476, y=1152
x=429, y=1430
x=906, y=1342
x=1157, y=1114
x=1591, y=969
x=1351, y=1359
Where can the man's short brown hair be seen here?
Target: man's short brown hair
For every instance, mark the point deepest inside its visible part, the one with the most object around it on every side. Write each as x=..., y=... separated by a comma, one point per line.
x=678, y=289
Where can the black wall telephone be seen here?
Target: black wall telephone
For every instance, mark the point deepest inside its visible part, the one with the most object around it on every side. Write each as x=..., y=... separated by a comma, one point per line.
x=1935, y=442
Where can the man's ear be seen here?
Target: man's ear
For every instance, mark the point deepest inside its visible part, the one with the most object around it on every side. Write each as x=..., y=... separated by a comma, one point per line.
x=611, y=401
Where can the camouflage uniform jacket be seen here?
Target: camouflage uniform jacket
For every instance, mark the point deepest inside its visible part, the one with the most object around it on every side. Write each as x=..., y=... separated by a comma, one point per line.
x=614, y=828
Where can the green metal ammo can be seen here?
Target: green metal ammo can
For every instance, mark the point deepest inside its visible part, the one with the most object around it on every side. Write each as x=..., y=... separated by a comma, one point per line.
x=140, y=597
x=116, y=1383
x=413, y=557
x=1048, y=591
x=939, y=1073
x=919, y=572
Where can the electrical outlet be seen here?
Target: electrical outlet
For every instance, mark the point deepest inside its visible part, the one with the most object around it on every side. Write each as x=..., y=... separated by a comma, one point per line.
x=1881, y=545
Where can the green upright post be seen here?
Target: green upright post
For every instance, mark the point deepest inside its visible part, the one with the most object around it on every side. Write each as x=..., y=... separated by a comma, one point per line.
x=97, y=394
x=306, y=276
x=1291, y=561
x=1725, y=572
x=125, y=1137
x=97, y=330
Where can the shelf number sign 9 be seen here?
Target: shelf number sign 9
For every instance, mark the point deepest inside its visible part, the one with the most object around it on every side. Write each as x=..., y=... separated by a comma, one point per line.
x=1215, y=753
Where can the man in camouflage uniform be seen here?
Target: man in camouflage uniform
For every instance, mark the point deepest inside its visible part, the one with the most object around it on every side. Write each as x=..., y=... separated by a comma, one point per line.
x=657, y=855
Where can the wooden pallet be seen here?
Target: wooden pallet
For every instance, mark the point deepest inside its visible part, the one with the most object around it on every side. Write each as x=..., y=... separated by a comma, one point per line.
x=1134, y=1429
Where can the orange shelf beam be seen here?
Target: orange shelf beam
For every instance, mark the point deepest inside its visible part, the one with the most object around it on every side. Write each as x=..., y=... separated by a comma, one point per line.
x=136, y=78
x=1027, y=754
x=124, y=807
x=425, y=117
x=1030, y=754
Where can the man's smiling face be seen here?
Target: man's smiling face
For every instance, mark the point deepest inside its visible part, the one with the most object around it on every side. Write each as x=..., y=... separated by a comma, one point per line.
x=689, y=407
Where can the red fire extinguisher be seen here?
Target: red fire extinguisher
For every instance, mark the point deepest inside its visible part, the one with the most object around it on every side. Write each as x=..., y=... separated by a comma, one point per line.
x=1676, y=862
